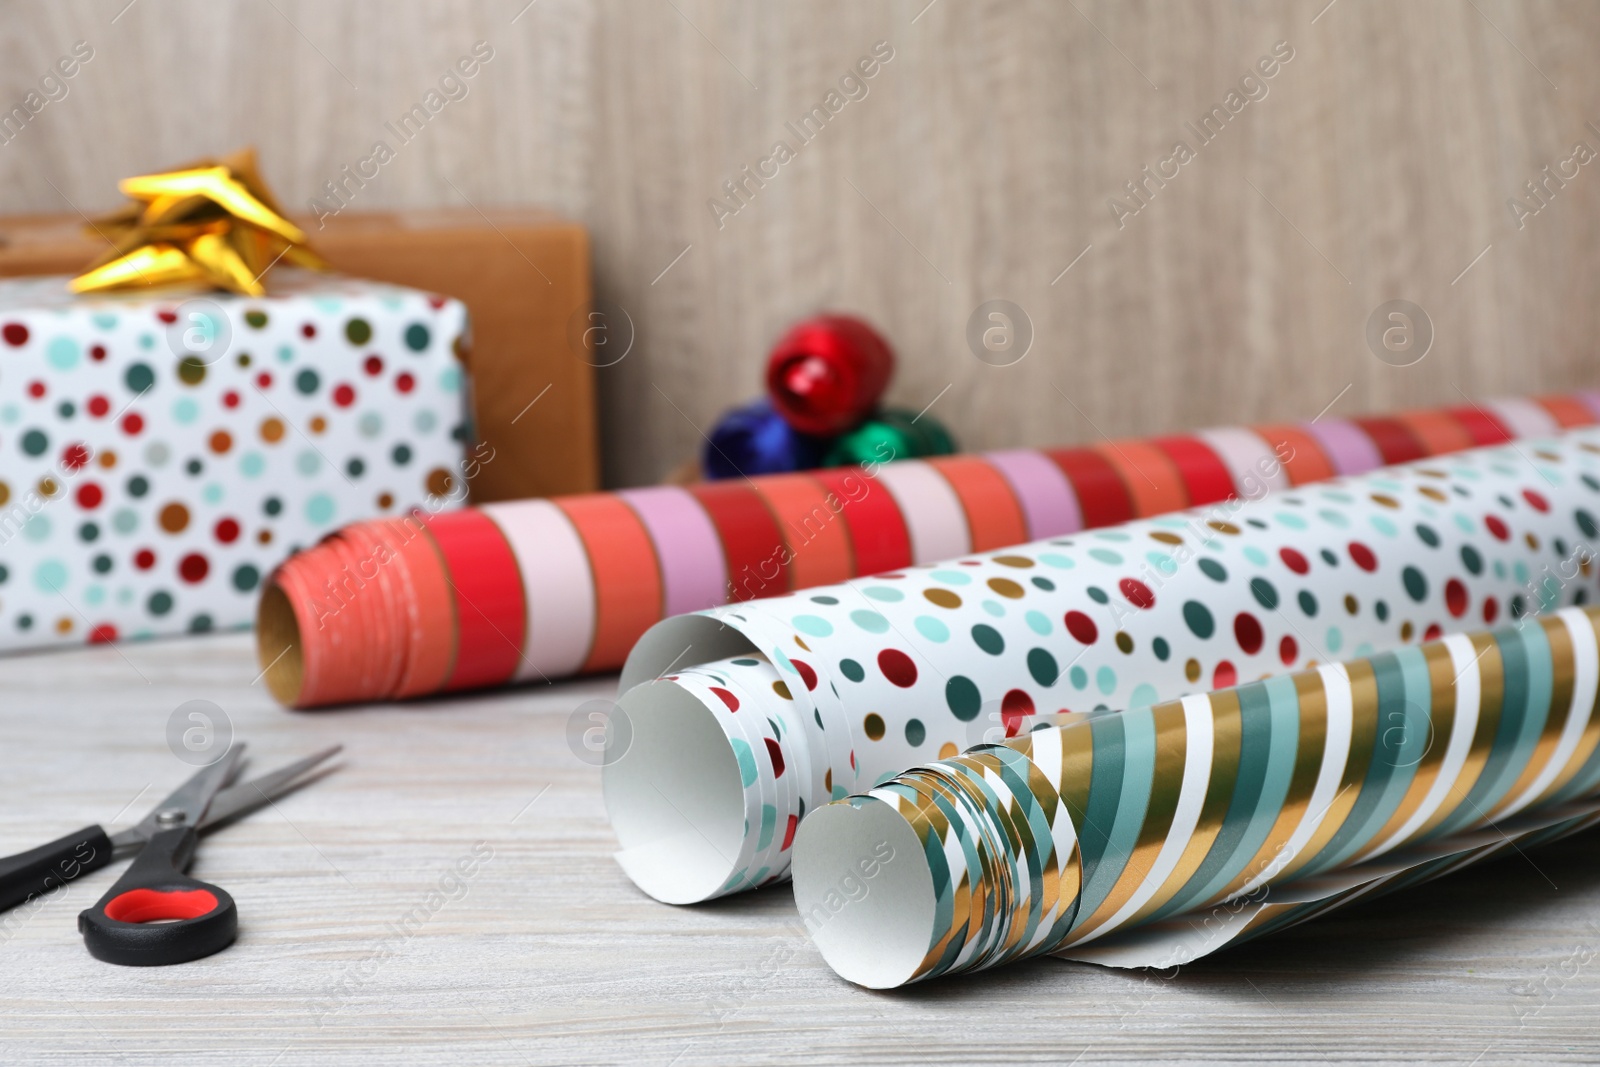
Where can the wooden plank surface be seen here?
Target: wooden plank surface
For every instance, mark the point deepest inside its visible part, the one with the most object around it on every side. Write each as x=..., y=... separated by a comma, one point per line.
x=980, y=165
x=546, y=954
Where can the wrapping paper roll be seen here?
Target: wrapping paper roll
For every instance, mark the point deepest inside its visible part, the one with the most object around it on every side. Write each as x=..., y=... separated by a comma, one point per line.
x=567, y=585
x=1155, y=836
x=854, y=682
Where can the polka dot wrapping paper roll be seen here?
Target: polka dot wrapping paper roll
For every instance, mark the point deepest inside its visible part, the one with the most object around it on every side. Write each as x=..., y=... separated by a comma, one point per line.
x=161, y=454
x=1155, y=836
x=576, y=580
x=854, y=682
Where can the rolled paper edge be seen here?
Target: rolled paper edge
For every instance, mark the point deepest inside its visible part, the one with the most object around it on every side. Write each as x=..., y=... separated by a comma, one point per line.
x=865, y=893
x=679, y=642
x=675, y=798
x=293, y=668
x=429, y=631
x=296, y=601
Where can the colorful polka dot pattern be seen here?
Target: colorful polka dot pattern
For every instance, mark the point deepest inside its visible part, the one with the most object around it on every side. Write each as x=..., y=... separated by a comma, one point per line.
x=1178, y=820
x=925, y=662
x=144, y=492
x=591, y=573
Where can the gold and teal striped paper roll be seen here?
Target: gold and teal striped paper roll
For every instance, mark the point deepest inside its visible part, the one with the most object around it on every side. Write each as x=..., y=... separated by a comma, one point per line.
x=806, y=698
x=1157, y=835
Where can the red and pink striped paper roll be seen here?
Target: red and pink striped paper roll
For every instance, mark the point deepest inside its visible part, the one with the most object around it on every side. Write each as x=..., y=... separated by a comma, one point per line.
x=544, y=589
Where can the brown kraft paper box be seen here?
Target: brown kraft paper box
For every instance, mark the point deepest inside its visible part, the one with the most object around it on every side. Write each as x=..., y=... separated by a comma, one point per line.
x=523, y=274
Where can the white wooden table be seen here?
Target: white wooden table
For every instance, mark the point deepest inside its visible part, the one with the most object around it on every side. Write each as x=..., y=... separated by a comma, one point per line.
x=547, y=954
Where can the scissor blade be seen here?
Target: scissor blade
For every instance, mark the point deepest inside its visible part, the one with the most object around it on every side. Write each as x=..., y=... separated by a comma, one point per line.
x=192, y=798
x=246, y=797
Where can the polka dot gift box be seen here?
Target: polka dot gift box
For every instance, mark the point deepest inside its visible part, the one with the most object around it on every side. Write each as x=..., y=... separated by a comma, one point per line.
x=745, y=718
x=160, y=454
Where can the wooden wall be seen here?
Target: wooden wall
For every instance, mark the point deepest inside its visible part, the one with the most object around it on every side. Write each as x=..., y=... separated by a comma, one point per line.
x=980, y=163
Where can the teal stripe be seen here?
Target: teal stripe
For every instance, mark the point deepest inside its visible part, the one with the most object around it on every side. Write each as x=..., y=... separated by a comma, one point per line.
x=1138, y=752
x=1033, y=832
x=974, y=872
x=1405, y=704
x=769, y=822
x=1109, y=741
x=1000, y=850
x=1014, y=771
x=1280, y=768
x=1255, y=751
x=1540, y=691
x=943, y=890
x=1380, y=765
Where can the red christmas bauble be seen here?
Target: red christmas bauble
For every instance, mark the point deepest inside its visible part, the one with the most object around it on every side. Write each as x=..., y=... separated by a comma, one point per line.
x=828, y=373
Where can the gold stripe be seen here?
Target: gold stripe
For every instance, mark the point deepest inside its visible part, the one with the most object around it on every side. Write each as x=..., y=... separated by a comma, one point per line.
x=1313, y=739
x=922, y=828
x=1227, y=729
x=972, y=897
x=1072, y=785
x=1172, y=746
x=1071, y=881
x=937, y=819
x=1012, y=822
x=1049, y=801
x=1491, y=696
x=1265, y=914
x=1077, y=769
x=927, y=820
x=988, y=895
x=1441, y=723
x=1363, y=738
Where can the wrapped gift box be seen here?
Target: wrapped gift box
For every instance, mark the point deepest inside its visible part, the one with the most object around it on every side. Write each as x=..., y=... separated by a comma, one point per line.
x=160, y=454
x=524, y=277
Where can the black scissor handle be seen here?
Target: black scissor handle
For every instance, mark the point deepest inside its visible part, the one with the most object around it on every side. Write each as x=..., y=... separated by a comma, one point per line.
x=157, y=915
x=36, y=872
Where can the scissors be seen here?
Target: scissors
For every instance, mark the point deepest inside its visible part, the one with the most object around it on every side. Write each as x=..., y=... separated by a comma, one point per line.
x=156, y=914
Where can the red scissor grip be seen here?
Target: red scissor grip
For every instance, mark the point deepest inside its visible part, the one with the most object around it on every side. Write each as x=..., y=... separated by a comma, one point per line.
x=159, y=905
x=156, y=914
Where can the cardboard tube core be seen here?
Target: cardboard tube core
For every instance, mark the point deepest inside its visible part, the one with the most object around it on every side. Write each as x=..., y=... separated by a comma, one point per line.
x=278, y=645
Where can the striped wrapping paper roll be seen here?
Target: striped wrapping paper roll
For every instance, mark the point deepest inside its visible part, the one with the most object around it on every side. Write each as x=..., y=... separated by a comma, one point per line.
x=747, y=717
x=1156, y=836
x=543, y=589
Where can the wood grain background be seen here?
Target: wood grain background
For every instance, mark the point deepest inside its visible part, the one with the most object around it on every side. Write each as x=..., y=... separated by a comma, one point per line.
x=978, y=166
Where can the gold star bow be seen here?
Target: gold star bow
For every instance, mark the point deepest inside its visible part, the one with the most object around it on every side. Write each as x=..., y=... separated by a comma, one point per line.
x=212, y=222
